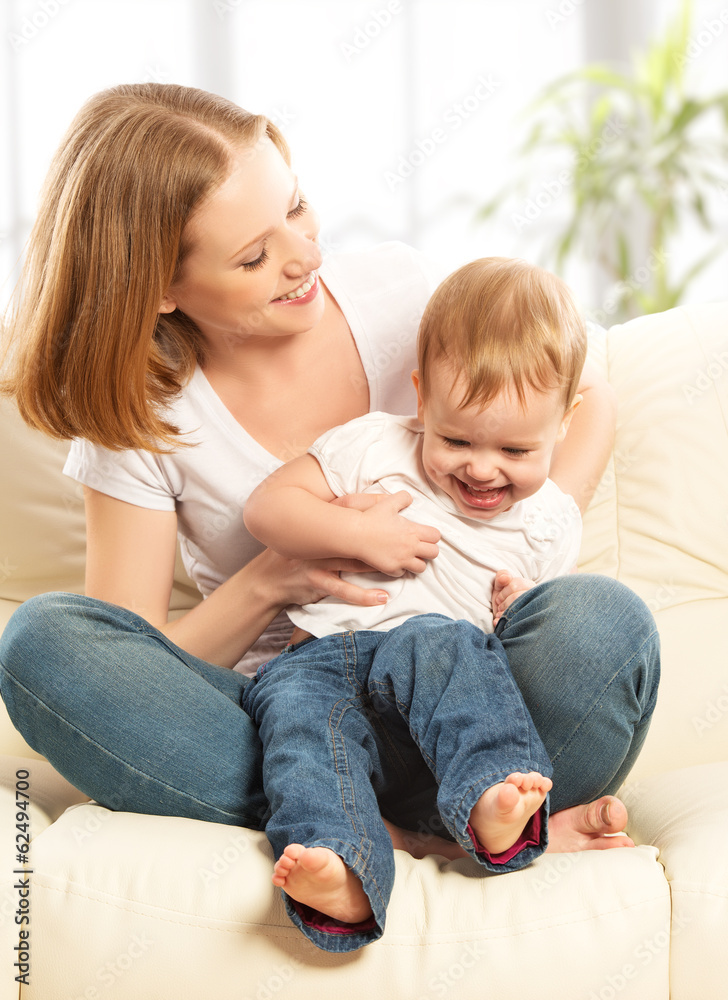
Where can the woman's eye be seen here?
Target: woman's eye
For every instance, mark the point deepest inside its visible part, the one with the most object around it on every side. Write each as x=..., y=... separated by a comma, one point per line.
x=299, y=209
x=251, y=265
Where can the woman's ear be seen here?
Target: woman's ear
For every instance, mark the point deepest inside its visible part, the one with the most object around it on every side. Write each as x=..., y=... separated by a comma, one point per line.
x=168, y=303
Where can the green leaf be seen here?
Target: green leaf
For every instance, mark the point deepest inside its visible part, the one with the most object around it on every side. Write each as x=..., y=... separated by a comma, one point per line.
x=690, y=110
x=634, y=152
x=698, y=203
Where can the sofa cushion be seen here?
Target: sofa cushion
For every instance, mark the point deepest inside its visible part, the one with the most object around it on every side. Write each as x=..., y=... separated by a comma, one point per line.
x=179, y=889
x=690, y=724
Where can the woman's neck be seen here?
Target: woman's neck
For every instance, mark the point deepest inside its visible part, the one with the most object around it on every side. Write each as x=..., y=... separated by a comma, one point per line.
x=257, y=360
x=271, y=385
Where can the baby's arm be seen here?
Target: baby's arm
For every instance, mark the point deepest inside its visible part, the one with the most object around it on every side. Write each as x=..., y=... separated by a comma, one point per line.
x=291, y=512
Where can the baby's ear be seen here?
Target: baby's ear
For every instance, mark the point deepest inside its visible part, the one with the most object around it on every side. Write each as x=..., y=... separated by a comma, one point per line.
x=568, y=415
x=418, y=389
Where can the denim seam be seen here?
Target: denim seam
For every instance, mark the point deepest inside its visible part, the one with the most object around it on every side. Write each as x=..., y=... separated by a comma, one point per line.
x=344, y=775
x=607, y=686
x=525, y=719
x=356, y=819
x=120, y=760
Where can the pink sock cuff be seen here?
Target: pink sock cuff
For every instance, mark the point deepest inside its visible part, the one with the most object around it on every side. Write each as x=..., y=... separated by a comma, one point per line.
x=328, y=925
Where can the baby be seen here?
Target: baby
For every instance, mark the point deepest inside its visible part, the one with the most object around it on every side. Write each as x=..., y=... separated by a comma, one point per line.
x=348, y=713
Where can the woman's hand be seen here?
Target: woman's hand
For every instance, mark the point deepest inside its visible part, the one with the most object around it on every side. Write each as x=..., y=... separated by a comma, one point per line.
x=506, y=588
x=305, y=581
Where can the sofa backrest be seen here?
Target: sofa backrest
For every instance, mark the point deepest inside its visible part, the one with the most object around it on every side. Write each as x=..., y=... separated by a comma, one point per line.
x=659, y=519
x=42, y=524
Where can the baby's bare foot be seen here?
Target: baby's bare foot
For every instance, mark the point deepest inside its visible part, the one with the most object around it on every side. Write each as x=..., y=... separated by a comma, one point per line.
x=318, y=877
x=502, y=811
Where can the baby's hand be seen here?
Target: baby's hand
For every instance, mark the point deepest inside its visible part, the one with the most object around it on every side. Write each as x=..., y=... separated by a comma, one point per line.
x=393, y=544
x=506, y=588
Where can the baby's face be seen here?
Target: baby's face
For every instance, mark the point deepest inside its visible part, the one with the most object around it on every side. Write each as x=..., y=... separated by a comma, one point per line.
x=488, y=458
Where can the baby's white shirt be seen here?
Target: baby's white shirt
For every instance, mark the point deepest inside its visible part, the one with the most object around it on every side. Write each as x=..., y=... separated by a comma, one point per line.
x=537, y=538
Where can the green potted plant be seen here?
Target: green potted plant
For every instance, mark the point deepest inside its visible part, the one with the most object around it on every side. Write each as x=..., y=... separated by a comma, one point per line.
x=635, y=150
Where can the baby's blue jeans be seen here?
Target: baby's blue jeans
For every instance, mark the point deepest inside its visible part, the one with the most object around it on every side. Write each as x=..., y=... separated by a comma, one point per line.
x=346, y=721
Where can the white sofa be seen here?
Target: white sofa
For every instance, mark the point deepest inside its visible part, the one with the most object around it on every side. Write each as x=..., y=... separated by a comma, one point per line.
x=130, y=906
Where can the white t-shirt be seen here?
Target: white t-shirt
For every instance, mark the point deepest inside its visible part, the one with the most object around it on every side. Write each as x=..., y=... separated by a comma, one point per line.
x=537, y=538
x=382, y=293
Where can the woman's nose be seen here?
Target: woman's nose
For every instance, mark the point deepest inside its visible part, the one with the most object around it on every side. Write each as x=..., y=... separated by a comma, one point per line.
x=302, y=246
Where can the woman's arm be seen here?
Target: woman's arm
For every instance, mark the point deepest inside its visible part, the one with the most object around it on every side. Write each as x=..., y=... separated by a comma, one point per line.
x=130, y=562
x=291, y=511
x=130, y=555
x=580, y=460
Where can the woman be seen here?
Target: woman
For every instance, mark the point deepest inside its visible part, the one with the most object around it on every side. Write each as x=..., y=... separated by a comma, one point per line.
x=176, y=319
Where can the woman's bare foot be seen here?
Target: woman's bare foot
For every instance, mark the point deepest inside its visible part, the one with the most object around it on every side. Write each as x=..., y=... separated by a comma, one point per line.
x=590, y=827
x=318, y=877
x=502, y=811
x=419, y=845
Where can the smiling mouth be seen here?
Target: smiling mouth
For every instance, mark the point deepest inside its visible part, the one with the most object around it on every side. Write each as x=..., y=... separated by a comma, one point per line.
x=306, y=286
x=485, y=499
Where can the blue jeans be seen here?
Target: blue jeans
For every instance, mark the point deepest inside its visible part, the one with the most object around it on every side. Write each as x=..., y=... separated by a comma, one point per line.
x=347, y=719
x=140, y=725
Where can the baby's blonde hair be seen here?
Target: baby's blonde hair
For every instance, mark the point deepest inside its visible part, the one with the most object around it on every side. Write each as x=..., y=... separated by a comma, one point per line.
x=501, y=322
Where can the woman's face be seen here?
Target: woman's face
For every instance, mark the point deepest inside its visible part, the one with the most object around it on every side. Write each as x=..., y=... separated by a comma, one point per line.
x=251, y=268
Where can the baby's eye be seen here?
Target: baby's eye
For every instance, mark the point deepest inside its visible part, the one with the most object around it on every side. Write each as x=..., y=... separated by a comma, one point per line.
x=516, y=451
x=456, y=443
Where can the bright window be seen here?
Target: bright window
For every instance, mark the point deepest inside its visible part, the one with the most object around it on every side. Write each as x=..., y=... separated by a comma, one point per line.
x=402, y=114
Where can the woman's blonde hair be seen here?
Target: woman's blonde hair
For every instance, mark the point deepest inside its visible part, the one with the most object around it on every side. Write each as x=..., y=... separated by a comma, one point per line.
x=88, y=354
x=501, y=322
